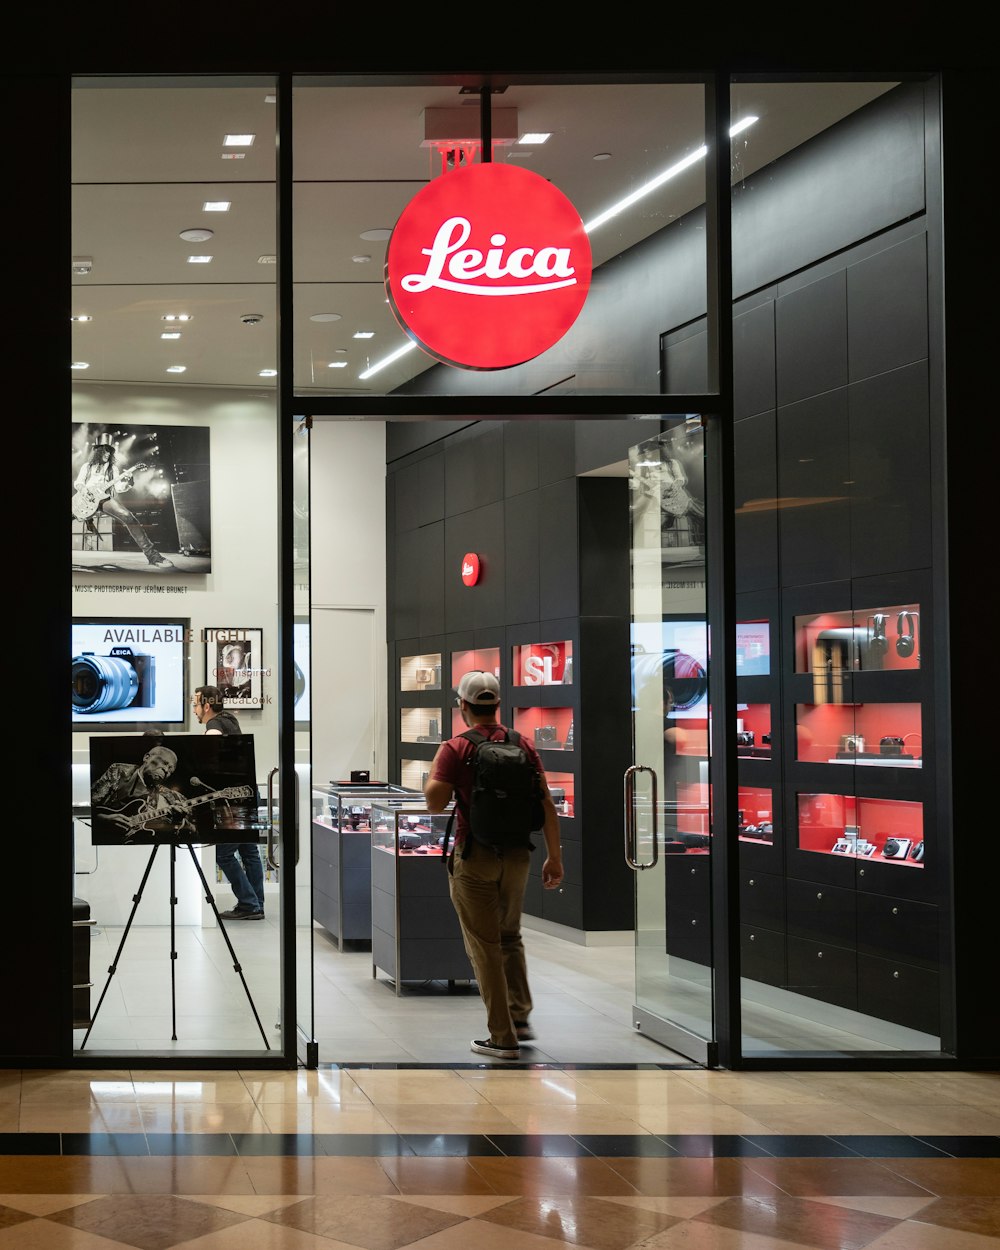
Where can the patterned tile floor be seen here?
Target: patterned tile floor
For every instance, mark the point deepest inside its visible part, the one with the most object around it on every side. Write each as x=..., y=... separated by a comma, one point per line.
x=474, y=1157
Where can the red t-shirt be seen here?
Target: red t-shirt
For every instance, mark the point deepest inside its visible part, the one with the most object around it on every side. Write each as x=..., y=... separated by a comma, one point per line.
x=451, y=765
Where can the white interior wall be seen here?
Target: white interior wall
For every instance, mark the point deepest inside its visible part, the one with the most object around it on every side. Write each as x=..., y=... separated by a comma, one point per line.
x=240, y=591
x=348, y=546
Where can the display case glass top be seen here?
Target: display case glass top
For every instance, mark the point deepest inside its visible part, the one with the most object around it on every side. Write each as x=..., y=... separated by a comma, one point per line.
x=408, y=829
x=347, y=808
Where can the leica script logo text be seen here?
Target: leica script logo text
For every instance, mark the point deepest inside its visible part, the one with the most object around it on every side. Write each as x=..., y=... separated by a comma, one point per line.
x=488, y=266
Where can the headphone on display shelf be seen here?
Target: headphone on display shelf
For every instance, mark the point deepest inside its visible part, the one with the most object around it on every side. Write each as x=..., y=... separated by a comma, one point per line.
x=878, y=640
x=906, y=637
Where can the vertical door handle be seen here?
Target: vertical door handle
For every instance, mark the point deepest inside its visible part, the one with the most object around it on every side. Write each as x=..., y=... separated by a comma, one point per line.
x=631, y=857
x=272, y=863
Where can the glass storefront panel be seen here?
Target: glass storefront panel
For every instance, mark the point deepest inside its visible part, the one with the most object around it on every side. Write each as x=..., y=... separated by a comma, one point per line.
x=841, y=945
x=175, y=564
x=629, y=158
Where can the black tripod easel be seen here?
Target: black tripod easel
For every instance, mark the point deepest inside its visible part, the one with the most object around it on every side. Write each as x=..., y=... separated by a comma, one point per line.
x=210, y=899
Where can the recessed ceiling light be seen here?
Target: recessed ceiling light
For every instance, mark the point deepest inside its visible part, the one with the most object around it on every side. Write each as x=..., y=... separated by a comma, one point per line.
x=535, y=136
x=176, y=368
x=364, y=334
x=82, y=317
x=199, y=260
x=341, y=350
x=268, y=373
x=361, y=260
x=170, y=334
x=270, y=99
x=176, y=317
x=80, y=364
x=337, y=364
x=325, y=317
x=238, y=141
x=267, y=260
x=197, y=235
x=216, y=206
x=233, y=156
x=374, y=236
x=601, y=156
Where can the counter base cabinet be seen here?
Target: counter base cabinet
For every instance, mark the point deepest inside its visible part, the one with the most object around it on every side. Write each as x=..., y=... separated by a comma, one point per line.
x=415, y=931
x=342, y=893
x=900, y=993
x=762, y=953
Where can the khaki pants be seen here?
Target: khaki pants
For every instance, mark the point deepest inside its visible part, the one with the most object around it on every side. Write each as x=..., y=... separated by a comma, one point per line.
x=488, y=893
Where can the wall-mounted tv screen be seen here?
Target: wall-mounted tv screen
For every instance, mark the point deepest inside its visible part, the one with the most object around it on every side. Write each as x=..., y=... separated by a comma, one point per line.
x=129, y=673
x=670, y=667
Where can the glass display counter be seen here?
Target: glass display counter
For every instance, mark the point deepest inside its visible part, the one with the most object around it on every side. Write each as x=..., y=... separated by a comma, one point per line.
x=415, y=932
x=341, y=855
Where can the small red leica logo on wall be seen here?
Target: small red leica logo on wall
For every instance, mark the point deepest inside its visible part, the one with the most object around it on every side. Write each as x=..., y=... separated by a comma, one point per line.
x=488, y=266
x=470, y=568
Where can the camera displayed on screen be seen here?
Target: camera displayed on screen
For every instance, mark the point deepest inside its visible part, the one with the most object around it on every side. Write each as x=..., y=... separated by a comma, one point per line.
x=106, y=683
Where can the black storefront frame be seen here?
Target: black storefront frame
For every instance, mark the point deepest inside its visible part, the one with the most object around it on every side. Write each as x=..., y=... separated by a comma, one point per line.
x=38, y=1030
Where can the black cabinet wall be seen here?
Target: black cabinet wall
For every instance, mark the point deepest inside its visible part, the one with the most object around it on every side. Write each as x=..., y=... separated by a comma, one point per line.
x=554, y=549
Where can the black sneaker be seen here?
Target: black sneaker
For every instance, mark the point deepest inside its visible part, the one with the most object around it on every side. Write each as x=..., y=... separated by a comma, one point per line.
x=241, y=913
x=524, y=1031
x=496, y=1052
x=159, y=561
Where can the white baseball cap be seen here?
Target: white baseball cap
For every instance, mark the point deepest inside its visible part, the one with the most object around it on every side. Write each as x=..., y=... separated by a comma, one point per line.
x=480, y=689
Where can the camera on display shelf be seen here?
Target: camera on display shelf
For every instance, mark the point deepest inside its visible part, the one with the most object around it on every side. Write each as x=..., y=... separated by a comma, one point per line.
x=745, y=738
x=545, y=735
x=765, y=740
x=409, y=841
x=558, y=795
x=891, y=745
x=106, y=683
x=852, y=744
x=423, y=676
x=897, y=848
x=918, y=852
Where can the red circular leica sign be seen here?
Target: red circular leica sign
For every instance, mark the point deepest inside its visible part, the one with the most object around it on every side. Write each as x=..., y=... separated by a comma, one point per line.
x=488, y=266
x=470, y=568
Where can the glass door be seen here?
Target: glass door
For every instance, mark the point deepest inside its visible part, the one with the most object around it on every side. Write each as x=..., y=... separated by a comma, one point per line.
x=666, y=788
x=301, y=844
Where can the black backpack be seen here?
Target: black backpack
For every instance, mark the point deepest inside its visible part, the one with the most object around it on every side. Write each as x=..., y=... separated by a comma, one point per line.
x=506, y=802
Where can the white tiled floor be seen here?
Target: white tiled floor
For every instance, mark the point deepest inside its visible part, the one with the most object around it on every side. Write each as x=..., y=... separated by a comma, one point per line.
x=583, y=1003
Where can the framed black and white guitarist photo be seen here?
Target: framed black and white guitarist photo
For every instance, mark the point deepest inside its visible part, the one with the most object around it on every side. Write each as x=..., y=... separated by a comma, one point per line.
x=140, y=499
x=180, y=788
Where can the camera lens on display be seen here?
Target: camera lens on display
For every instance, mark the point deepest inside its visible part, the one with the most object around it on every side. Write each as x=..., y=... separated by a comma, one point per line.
x=103, y=683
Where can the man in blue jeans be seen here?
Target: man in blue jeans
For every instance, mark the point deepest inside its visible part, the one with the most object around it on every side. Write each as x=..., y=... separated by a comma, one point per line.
x=240, y=861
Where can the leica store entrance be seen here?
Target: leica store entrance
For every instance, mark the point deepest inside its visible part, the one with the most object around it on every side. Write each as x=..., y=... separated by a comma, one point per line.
x=560, y=379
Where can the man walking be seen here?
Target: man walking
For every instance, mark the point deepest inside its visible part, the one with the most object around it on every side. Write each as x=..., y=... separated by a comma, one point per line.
x=239, y=861
x=487, y=886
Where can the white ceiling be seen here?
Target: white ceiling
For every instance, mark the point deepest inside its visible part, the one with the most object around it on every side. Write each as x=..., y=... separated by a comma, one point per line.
x=146, y=157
